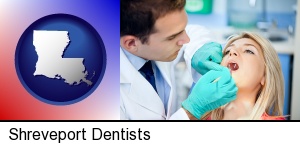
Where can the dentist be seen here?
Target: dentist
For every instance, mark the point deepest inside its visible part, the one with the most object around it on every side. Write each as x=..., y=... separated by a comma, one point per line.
x=154, y=37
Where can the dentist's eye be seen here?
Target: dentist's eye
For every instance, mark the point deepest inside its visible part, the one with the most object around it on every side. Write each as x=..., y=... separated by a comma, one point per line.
x=249, y=51
x=171, y=38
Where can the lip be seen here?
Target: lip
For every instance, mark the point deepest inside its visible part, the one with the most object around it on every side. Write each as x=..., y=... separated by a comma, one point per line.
x=231, y=61
x=177, y=51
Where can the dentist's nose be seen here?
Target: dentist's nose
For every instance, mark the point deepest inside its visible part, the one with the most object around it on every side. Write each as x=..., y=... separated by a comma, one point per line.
x=184, y=38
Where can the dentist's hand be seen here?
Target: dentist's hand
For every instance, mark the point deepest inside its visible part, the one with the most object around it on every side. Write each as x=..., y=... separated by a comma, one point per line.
x=207, y=58
x=209, y=93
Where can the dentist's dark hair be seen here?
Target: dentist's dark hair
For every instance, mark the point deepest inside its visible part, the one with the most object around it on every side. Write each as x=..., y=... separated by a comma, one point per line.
x=139, y=16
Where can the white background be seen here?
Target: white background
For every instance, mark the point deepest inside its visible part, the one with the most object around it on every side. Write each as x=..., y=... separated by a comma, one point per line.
x=166, y=133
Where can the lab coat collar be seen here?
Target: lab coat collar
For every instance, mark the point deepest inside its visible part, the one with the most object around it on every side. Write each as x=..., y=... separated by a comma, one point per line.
x=140, y=90
x=166, y=72
x=127, y=77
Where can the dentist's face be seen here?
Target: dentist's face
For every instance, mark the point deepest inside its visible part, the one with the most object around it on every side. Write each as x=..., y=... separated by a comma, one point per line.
x=170, y=35
x=245, y=60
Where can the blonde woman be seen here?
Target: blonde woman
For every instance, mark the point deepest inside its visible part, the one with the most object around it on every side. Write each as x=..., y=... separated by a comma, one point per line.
x=256, y=70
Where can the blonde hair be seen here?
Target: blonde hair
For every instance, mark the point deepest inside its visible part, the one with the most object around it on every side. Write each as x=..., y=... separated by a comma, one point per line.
x=270, y=97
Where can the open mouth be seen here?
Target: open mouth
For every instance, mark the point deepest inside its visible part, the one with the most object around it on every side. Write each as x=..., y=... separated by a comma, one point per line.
x=233, y=66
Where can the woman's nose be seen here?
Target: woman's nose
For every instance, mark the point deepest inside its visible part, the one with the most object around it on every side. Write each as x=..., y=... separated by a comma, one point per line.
x=233, y=53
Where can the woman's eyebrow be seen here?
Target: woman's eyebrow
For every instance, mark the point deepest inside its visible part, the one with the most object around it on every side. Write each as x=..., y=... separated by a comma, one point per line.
x=229, y=46
x=249, y=45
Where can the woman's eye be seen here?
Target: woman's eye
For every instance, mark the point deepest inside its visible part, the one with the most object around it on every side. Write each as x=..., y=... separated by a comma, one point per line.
x=249, y=51
x=226, y=52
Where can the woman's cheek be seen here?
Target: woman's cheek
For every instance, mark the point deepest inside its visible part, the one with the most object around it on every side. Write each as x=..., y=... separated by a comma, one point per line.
x=223, y=62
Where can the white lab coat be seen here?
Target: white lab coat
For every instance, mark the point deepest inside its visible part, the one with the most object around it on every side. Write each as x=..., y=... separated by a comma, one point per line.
x=139, y=101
